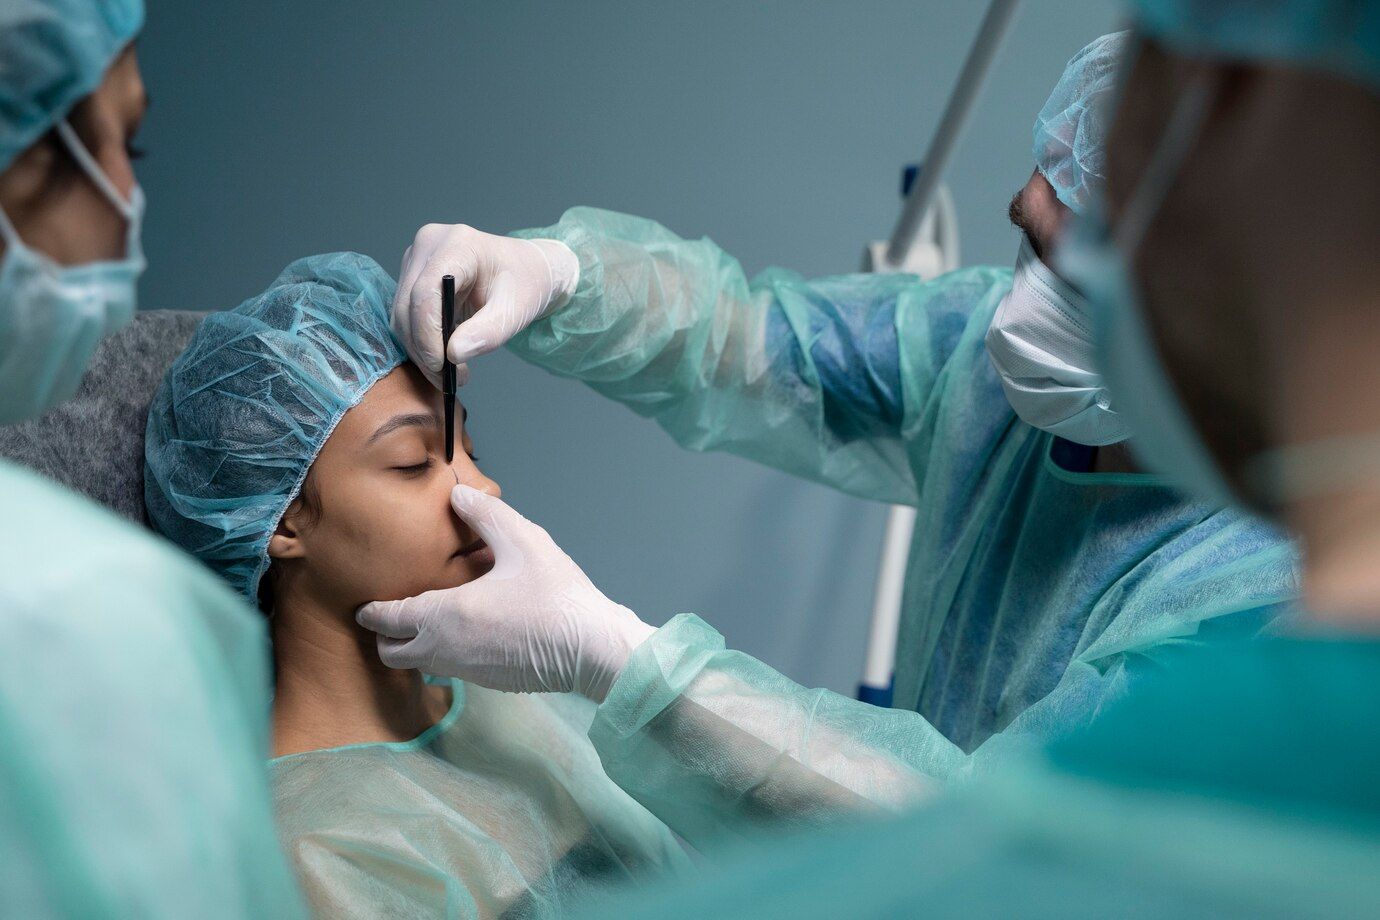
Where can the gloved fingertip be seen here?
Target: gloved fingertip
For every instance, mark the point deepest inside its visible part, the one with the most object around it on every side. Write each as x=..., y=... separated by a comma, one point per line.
x=462, y=374
x=465, y=499
x=384, y=618
x=433, y=376
x=367, y=615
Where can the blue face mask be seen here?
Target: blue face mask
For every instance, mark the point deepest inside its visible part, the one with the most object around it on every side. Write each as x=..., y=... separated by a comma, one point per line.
x=1097, y=260
x=52, y=316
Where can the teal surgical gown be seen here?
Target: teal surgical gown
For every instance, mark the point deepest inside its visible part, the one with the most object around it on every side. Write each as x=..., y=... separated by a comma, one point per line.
x=1233, y=782
x=501, y=809
x=1030, y=579
x=134, y=701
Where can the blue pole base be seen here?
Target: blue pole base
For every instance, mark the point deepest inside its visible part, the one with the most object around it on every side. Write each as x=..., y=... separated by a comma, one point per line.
x=877, y=696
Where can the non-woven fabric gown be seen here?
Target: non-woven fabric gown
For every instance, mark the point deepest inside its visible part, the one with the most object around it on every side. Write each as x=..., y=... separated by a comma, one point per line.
x=133, y=683
x=1237, y=782
x=134, y=689
x=500, y=809
x=1033, y=588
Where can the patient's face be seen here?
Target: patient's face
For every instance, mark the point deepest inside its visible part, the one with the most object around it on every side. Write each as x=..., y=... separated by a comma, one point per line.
x=385, y=528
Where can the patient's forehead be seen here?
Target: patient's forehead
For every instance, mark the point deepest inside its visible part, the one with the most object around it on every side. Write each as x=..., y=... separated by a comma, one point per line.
x=401, y=390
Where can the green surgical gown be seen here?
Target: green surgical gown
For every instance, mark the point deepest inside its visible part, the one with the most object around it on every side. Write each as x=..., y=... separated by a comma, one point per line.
x=501, y=809
x=134, y=701
x=1233, y=782
x=1030, y=579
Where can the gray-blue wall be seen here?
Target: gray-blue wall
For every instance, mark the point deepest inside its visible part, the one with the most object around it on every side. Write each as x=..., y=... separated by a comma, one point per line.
x=300, y=126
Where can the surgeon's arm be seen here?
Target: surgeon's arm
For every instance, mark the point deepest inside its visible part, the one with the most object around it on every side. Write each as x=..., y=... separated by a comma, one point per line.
x=814, y=377
x=719, y=745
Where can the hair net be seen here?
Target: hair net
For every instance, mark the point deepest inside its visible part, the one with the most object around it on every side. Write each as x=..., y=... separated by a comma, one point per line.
x=1071, y=130
x=1342, y=36
x=53, y=54
x=244, y=411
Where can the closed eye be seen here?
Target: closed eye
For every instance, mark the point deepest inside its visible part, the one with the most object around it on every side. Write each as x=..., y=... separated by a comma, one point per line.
x=415, y=469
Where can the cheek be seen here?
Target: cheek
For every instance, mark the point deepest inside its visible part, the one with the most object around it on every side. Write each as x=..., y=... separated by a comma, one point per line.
x=390, y=543
x=80, y=226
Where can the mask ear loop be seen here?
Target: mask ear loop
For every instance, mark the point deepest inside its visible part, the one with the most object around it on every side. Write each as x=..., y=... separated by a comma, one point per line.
x=93, y=169
x=8, y=232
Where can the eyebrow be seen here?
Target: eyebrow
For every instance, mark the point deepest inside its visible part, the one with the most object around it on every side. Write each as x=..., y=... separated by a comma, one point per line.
x=405, y=420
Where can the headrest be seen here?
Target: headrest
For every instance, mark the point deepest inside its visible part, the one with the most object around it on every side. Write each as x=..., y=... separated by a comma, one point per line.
x=94, y=442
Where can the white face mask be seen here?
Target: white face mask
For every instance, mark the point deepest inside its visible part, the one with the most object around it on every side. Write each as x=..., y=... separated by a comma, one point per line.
x=1040, y=342
x=52, y=317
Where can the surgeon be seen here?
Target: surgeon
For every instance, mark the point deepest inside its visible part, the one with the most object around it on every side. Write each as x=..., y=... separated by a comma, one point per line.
x=133, y=685
x=1235, y=299
x=1044, y=564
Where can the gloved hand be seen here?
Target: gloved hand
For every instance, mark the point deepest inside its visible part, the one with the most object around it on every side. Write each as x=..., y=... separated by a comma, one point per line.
x=502, y=285
x=533, y=623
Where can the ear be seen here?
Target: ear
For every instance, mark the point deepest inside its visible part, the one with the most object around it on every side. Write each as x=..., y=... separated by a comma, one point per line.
x=286, y=542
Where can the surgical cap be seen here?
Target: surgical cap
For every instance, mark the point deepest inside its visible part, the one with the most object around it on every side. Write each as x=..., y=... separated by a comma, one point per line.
x=246, y=408
x=1339, y=36
x=1071, y=130
x=53, y=54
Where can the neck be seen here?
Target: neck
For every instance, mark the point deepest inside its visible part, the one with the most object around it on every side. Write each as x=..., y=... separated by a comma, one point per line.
x=333, y=690
x=1115, y=458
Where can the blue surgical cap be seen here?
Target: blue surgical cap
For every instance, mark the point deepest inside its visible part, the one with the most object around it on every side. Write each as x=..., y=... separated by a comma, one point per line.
x=1071, y=130
x=246, y=408
x=1338, y=36
x=53, y=54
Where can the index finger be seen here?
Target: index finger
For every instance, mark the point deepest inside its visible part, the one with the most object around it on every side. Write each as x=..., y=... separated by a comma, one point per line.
x=424, y=307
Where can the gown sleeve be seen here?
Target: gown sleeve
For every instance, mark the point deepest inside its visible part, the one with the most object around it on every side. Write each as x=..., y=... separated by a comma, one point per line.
x=720, y=746
x=813, y=377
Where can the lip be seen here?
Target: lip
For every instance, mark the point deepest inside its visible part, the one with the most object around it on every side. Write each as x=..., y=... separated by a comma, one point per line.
x=474, y=552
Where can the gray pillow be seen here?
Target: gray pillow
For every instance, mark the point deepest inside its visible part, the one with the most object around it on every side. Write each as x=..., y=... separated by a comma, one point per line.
x=94, y=442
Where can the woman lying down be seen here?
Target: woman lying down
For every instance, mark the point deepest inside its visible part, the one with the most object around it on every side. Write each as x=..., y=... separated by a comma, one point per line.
x=293, y=449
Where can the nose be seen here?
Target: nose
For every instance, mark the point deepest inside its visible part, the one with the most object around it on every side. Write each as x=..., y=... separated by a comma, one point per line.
x=466, y=473
x=487, y=486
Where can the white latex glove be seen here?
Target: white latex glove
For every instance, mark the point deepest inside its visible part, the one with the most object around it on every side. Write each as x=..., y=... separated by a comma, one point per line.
x=534, y=623
x=502, y=285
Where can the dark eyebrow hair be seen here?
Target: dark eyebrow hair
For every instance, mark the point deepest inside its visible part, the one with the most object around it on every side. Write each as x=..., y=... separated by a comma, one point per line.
x=406, y=420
